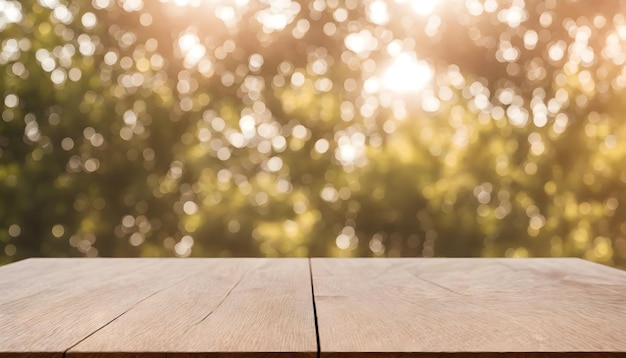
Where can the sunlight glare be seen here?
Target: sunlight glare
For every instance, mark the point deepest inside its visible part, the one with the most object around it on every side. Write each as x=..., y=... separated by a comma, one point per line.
x=226, y=14
x=407, y=74
x=194, y=55
x=347, y=153
x=191, y=48
x=424, y=7
x=182, y=3
x=210, y=3
x=378, y=13
x=273, y=21
x=187, y=41
x=278, y=15
x=361, y=42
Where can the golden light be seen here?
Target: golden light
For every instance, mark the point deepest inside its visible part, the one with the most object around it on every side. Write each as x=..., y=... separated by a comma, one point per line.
x=424, y=7
x=377, y=12
x=182, y=3
x=407, y=74
x=278, y=15
x=187, y=41
x=209, y=3
x=190, y=46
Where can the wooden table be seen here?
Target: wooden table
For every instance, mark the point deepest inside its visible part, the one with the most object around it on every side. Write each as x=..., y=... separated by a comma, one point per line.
x=310, y=307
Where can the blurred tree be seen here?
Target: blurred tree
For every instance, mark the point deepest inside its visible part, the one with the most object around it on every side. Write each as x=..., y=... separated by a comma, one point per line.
x=323, y=128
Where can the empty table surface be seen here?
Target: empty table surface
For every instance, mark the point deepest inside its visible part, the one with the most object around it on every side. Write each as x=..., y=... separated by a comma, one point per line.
x=309, y=307
x=158, y=307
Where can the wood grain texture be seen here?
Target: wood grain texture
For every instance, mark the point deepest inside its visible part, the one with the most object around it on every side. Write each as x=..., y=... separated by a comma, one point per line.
x=226, y=307
x=52, y=304
x=25, y=287
x=36, y=276
x=183, y=308
x=428, y=307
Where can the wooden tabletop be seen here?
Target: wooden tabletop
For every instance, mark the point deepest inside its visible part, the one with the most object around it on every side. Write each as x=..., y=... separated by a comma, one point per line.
x=310, y=307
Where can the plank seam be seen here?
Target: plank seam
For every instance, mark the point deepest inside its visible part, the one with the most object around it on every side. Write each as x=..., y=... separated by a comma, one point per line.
x=111, y=321
x=317, y=332
x=435, y=284
x=221, y=302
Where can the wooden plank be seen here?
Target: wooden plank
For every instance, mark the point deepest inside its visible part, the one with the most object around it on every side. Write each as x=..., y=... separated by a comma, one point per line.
x=393, y=307
x=89, y=294
x=227, y=307
x=38, y=276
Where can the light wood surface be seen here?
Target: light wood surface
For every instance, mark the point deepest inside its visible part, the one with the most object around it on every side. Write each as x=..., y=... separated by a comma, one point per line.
x=146, y=307
x=226, y=306
x=183, y=308
x=42, y=276
x=85, y=294
x=395, y=306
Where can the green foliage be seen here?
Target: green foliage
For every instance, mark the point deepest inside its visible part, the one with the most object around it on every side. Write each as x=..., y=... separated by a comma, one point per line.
x=323, y=128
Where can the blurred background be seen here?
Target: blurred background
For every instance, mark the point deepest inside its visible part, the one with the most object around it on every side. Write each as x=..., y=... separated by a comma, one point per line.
x=313, y=128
